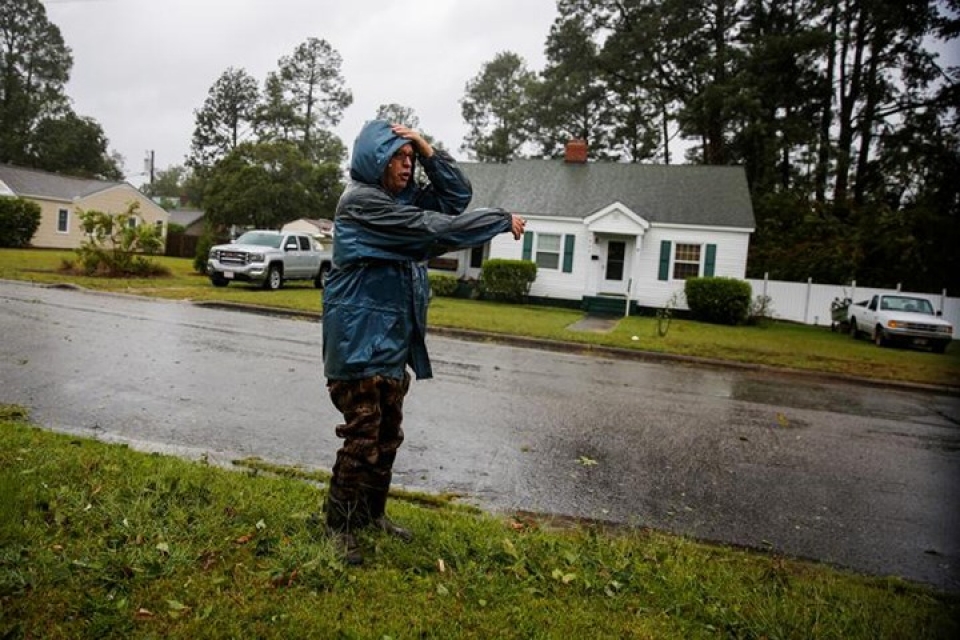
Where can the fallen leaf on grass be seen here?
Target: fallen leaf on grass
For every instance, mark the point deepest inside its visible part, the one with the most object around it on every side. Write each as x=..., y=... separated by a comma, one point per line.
x=565, y=578
x=244, y=539
x=586, y=462
x=143, y=614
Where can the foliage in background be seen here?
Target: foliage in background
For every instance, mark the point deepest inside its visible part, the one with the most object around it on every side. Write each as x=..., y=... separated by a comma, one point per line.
x=442, y=284
x=497, y=107
x=265, y=185
x=204, y=244
x=38, y=127
x=226, y=118
x=718, y=300
x=761, y=311
x=19, y=220
x=115, y=244
x=841, y=113
x=507, y=280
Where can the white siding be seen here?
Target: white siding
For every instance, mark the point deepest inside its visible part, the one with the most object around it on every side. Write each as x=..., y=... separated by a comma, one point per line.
x=551, y=283
x=731, y=260
x=646, y=289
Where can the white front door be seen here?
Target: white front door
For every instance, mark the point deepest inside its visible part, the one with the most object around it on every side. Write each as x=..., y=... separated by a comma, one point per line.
x=615, y=266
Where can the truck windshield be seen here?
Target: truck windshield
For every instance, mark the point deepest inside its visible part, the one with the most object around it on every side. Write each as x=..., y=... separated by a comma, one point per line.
x=906, y=303
x=260, y=239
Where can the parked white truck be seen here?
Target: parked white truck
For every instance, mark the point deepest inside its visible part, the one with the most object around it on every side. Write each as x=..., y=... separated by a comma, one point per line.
x=903, y=319
x=269, y=258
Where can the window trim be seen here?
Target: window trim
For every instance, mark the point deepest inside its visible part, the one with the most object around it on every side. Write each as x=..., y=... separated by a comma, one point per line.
x=675, y=261
x=558, y=253
x=66, y=221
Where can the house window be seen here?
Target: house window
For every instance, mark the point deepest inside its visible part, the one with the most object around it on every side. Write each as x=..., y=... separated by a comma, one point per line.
x=63, y=221
x=132, y=222
x=686, y=261
x=548, y=251
x=476, y=258
x=160, y=227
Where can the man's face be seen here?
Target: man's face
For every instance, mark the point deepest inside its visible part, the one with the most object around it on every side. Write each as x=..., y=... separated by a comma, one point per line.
x=399, y=170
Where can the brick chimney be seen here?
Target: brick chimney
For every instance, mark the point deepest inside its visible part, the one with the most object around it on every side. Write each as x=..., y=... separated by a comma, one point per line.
x=576, y=152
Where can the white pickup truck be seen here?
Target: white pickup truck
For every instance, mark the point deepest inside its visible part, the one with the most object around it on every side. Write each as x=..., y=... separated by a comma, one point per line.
x=897, y=318
x=269, y=258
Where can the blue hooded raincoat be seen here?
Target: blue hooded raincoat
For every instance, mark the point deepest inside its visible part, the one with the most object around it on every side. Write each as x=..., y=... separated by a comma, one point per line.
x=375, y=298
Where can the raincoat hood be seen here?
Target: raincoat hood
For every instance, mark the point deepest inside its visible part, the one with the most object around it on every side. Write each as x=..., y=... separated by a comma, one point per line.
x=375, y=145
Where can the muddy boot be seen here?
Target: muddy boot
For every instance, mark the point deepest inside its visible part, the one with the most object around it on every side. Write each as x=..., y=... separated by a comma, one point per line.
x=341, y=522
x=348, y=546
x=377, y=501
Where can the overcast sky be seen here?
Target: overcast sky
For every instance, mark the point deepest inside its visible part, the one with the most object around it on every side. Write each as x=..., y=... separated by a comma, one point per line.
x=141, y=67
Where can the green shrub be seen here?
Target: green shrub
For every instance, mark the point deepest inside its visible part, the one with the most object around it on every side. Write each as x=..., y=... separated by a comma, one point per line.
x=718, y=300
x=114, y=244
x=204, y=244
x=442, y=284
x=761, y=311
x=507, y=279
x=19, y=220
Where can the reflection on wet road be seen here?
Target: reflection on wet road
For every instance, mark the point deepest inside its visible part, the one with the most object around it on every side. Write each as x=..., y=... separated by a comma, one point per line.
x=864, y=477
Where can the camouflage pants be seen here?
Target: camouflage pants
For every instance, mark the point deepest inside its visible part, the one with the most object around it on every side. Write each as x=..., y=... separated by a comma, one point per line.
x=372, y=409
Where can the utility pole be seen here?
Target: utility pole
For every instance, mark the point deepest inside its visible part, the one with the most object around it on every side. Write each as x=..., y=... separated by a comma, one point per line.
x=148, y=164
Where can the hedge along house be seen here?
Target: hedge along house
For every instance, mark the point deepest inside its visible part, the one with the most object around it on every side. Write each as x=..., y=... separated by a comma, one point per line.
x=604, y=233
x=61, y=197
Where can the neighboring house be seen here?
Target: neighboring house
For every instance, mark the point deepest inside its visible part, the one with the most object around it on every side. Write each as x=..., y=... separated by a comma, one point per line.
x=320, y=228
x=603, y=232
x=61, y=197
x=190, y=219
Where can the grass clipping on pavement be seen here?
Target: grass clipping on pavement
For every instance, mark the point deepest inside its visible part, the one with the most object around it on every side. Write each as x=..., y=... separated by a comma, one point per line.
x=98, y=540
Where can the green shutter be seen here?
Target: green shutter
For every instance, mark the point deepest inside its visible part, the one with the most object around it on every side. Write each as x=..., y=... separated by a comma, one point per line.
x=527, y=245
x=711, y=263
x=568, y=253
x=664, y=259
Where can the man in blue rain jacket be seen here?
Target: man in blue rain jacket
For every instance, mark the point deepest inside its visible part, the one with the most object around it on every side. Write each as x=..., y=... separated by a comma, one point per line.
x=375, y=306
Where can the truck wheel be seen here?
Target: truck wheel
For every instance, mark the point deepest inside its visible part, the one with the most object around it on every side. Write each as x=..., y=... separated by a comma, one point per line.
x=880, y=337
x=853, y=328
x=218, y=280
x=321, y=280
x=940, y=347
x=274, y=278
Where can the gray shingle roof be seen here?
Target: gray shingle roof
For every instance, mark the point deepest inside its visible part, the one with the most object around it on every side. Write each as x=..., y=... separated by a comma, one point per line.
x=669, y=194
x=185, y=217
x=41, y=184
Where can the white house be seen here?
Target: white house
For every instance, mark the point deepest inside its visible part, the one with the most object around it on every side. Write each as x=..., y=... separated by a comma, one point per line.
x=603, y=232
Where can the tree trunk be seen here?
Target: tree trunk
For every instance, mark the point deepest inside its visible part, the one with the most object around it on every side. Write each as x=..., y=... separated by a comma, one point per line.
x=853, y=36
x=867, y=119
x=826, y=113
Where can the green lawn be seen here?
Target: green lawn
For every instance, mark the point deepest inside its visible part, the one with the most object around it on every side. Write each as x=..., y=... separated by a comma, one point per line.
x=778, y=344
x=99, y=541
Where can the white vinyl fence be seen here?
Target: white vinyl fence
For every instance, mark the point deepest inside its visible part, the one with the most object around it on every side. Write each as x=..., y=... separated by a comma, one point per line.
x=809, y=303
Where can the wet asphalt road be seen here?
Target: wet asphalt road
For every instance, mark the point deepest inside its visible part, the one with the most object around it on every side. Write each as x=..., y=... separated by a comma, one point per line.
x=862, y=477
